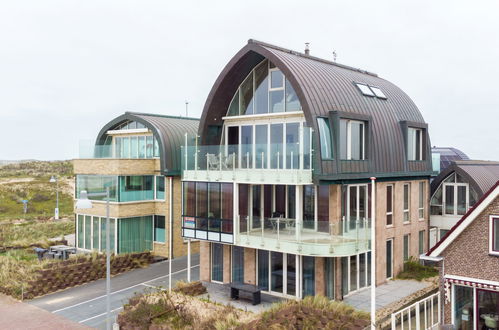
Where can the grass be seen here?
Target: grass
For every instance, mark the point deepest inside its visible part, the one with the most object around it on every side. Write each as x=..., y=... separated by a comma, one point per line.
x=33, y=232
x=30, y=181
x=413, y=270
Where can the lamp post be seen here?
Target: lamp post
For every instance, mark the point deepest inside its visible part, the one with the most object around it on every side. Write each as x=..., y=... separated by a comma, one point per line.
x=373, y=253
x=84, y=203
x=53, y=179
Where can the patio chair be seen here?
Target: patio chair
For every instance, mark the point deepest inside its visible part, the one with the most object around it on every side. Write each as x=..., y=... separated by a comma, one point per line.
x=213, y=162
x=228, y=163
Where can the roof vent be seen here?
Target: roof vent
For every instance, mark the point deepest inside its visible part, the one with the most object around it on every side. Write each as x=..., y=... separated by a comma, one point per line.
x=307, y=48
x=334, y=56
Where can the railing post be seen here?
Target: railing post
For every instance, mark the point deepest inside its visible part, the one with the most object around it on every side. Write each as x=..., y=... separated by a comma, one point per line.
x=394, y=326
x=292, y=162
x=196, y=155
x=439, y=306
x=263, y=161
x=418, y=326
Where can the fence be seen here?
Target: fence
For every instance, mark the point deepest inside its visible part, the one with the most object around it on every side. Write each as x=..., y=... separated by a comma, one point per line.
x=423, y=314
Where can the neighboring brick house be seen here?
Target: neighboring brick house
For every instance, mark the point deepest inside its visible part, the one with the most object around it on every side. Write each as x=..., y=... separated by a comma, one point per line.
x=468, y=258
x=137, y=156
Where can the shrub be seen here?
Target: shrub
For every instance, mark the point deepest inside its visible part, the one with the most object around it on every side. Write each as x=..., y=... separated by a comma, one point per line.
x=413, y=270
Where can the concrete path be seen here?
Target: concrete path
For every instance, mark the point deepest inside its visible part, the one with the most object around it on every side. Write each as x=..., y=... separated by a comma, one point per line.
x=86, y=304
x=17, y=315
x=386, y=294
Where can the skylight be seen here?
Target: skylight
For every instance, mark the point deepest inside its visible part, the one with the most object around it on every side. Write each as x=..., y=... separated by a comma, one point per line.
x=378, y=92
x=371, y=91
x=365, y=89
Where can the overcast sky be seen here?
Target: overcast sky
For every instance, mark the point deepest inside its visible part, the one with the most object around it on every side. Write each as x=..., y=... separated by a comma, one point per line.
x=69, y=67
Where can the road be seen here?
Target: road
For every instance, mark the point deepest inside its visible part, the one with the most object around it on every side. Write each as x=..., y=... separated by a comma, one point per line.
x=86, y=303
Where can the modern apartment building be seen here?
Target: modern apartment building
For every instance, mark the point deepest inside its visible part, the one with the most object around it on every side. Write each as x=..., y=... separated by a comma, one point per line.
x=455, y=190
x=136, y=156
x=277, y=186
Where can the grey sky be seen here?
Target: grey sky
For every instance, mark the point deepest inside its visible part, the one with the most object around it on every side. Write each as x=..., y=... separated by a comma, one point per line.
x=68, y=67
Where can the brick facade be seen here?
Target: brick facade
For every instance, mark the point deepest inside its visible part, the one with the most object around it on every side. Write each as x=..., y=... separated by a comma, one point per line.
x=468, y=255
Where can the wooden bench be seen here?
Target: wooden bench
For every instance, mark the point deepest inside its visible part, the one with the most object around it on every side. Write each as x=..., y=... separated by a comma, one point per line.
x=249, y=288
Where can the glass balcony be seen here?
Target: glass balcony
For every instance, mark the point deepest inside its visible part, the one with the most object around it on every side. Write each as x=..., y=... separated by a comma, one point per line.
x=308, y=237
x=133, y=147
x=269, y=163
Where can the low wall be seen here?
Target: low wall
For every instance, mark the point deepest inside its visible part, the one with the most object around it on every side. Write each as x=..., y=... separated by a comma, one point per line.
x=69, y=273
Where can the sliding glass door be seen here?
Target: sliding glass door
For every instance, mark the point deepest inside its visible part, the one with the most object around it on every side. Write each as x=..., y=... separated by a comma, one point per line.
x=278, y=273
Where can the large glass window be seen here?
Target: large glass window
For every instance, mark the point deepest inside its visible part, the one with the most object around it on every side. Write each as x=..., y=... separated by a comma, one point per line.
x=293, y=145
x=217, y=262
x=160, y=187
x=88, y=232
x=261, y=145
x=325, y=138
x=329, y=277
x=97, y=184
x=276, y=266
x=103, y=237
x=414, y=143
x=308, y=276
x=352, y=139
x=138, y=146
x=135, y=234
x=309, y=207
x=488, y=307
x=136, y=188
x=159, y=229
x=276, y=145
x=95, y=233
x=463, y=307
x=247, y=146
x=238, y=264
x=263, y=269
x=81, y=230
x=264, y=90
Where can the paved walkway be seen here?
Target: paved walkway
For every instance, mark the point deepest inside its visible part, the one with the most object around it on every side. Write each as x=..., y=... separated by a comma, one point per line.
x=17, y=315
x=386, y=294
x=220, y=293
x=86, y=304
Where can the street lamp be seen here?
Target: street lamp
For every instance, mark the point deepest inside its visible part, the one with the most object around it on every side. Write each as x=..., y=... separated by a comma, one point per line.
x=84, y=203
x=53, y=179
x=373, y=253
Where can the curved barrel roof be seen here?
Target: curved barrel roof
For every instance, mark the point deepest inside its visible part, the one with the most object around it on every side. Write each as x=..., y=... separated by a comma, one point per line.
x=448, y=155
x=480, y=174
x=325, y=87
x=169, y=131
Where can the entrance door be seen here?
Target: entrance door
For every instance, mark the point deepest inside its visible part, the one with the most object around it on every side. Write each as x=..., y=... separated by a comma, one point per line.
x=487, y=309
x=276, y=272
x=356, y=206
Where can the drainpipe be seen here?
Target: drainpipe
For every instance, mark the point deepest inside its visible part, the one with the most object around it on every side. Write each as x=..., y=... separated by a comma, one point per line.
x=373, y=253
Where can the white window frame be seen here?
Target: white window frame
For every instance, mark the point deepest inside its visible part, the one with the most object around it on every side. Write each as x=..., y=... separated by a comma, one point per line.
x=392, y=186
x=92, y=232
x=455, y=186
x=298, y=278
x=408, y=210
x=421, y=203
x=357, y=274
x=408, y=235
x=349, y=138
x=412, y=139
x=421, y=241
x=346, y=224
x=491, y=235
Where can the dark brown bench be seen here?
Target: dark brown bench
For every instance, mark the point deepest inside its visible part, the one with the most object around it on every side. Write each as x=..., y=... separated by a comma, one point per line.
x=249, y=288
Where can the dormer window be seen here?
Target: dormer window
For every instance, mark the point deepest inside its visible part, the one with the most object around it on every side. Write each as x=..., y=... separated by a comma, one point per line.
x=352, y=139
x=415, y=143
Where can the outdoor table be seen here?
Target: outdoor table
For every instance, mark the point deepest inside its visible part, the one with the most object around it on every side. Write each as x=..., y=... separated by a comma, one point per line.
x=63, y=249
x=288, y=223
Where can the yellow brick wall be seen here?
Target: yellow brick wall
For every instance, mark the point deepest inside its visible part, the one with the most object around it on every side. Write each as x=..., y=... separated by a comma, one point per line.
x=117, y=166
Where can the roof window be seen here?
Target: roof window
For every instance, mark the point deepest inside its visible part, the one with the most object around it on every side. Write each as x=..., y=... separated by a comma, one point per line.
x=371, y=91
x=365, y=89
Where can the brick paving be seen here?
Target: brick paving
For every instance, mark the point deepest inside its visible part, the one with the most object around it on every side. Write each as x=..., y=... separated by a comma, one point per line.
x=17, y=315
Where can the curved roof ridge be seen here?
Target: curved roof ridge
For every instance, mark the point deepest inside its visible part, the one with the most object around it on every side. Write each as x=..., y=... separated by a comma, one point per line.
x=319, y=59
x=159, y=115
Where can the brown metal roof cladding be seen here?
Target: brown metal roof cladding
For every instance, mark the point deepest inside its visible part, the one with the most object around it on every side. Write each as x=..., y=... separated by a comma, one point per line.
x=324, y=88
x=448, y=155
x=480, y=174
x=169, y=131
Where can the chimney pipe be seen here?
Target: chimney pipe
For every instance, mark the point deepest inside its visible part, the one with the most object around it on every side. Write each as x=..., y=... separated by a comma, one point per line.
x=307, y=49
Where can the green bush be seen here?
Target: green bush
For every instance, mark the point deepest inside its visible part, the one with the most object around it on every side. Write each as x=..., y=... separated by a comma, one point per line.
x=413, y=270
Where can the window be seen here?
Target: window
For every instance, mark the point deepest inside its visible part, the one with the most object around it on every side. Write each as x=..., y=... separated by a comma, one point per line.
x=365, y=89
x=389, y=258
x=141, y=146
x=407, y=244
x=160, y=187
x=421, y=200
x=453, y=197
x=325, y=137
x=389, y=205
x=407, y=202
x=352, y=139
x=378, y=92
x=421, y=242
x=217, y=262
x=136, y=188
x=264, y=90
x=494, y=234
x=415, y=143
x=159, y=228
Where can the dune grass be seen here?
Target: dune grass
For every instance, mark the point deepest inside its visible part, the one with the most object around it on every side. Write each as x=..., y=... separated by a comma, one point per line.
x=413, y=270
x=30, y=233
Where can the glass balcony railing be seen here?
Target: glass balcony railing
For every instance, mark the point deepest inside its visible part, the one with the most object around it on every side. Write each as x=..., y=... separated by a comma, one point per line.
x=138, y=147
x=308, y=237
x=246, y=156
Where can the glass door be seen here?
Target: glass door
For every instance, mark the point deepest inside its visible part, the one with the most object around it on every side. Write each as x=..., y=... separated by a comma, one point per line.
x=488, y=309
x=356, y=206
x=277, y=272
x=291, y=274
x=238, y=264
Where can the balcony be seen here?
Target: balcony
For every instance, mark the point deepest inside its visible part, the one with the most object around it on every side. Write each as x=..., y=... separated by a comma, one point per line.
x=308, y=237
x=269, y=164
